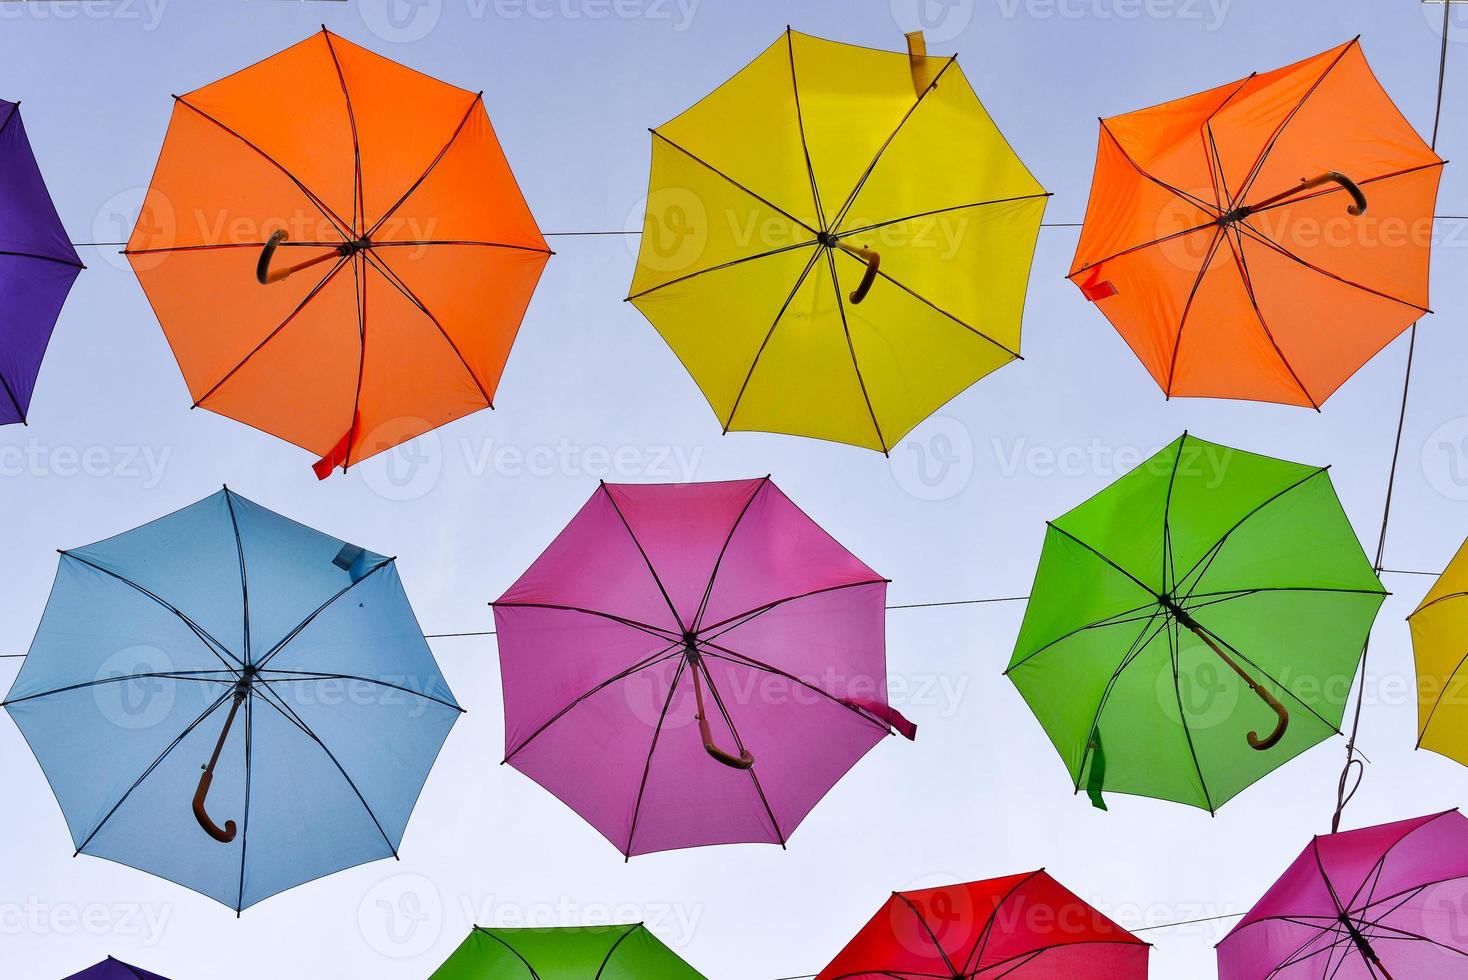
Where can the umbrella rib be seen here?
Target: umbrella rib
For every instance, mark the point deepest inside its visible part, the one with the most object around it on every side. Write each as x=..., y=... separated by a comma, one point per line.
x=718, y=562
x=1014, y=354
x=1138, y=645
x=478, y=100
x=359, y=207
x=1177, y=192
x=719, y=268
x=1422, y=734
x=331, y=274
x=1441, y=598
x=326, y=212
x=754, y=363
x=209, y=641
x=810, y=169
x=1235, y=246
x=739, y=744
x=1174, y=647
x=1258, y=167
x=715, y=170
x=169, y=675
x=1115, y=619
x=1337, y=189
x=419, y=243
x=732, y=656
x=929, y=930
x=239, y=545
x=848, y=232
x=651, y=748
x=359, y=295
x=1169, y=572
x=152, y=766
x=643, y=552
x=971, y=962
x=653, y=660
x=392, y=277
x=657, y=631
x=749, y=614
x=1034, y=953
x=515, y=952
x=311, y=675
x=239, y=903
x=271, y=653
x=42, y=258
x=10, y=394
x=1137, y=248
x=1182, y=321
x=866, y=174
x=1246, y=228
x=612, y=950
x=287, y=712
x=851, y=349
x=1140, y=584
x=1271, y=678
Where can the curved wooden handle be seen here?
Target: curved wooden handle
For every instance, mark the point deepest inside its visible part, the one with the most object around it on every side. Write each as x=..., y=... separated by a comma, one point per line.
x=1352, y=188
x=873, y=261
x=1283, y=723
x=262, y=268
x=223, y=834
x=744, y=760
x=226, y=833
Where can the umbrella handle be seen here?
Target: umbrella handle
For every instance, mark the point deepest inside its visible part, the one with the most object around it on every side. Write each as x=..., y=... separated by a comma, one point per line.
x=226, y=833
x=1264, y=694
x=873, y=261
x=741, y=761
x=265, y=277
x=1329, y=177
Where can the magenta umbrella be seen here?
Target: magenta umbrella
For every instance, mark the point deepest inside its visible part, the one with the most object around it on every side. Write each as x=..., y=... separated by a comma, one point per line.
x=693, y=664
x=1381, y=903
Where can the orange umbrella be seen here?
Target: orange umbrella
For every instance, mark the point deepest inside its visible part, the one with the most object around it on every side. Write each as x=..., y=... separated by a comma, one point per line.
x=337, y=249
x=1264, y=239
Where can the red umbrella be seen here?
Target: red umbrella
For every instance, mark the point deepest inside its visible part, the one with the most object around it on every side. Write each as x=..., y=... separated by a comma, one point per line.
x=1022, y=927
x=692, y=664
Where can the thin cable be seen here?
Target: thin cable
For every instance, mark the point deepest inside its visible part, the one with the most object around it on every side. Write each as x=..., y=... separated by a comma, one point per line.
x=1344, y=795
x=1191, y=922
x=959, y=602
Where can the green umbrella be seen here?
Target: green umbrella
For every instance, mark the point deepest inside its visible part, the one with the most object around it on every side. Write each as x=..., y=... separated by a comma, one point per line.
x=627, y=952
x=1195, y=625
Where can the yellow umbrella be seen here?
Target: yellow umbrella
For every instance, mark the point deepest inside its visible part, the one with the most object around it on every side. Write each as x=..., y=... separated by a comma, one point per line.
x=1440, y=643
x=838, y=241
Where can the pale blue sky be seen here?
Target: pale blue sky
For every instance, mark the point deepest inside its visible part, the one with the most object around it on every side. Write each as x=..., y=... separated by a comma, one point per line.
x=591, y=392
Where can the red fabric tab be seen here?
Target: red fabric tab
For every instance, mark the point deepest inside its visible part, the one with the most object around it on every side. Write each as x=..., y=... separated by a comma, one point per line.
x=337, y=457
x=1096, y=289
x=887, y=714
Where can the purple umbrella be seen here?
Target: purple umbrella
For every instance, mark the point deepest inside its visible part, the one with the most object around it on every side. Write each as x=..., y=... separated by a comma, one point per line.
x=693, y=664
x=110, y=969
x=1382, y=903
x=37, y=267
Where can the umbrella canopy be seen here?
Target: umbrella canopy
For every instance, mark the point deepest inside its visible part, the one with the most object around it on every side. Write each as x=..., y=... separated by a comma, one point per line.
x=37, y=267
x=1196, y=624
x=112, y=969
x=1263, y=239
x=285, y=662
x=1439, y=628
x=838, y=241
x=627, y=952
x=693, y=664
x=1021, y=927
x=337, y=249
x=1381, y=903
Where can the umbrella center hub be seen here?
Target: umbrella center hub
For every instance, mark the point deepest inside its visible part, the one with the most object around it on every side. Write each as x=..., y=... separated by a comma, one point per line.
x=353, y=247
x=826, y=238
x=1236, y=215
x=690, y=648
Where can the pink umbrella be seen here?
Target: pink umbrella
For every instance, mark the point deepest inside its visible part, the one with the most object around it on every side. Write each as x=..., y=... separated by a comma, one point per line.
x=1382, y=903
x=693, y=664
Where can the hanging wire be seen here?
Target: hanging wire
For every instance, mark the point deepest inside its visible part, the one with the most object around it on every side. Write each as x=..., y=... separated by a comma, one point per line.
x=1347, y=787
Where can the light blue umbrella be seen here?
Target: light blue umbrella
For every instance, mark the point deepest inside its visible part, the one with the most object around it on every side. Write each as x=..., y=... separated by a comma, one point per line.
x=232, y=701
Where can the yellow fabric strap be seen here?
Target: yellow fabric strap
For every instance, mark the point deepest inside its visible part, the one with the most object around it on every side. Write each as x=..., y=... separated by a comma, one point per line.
x=923, y=69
